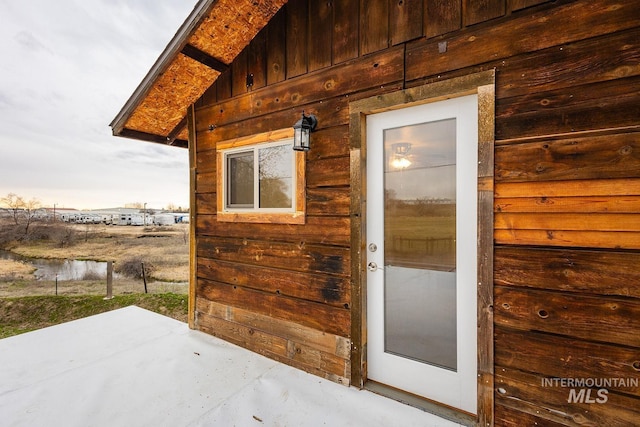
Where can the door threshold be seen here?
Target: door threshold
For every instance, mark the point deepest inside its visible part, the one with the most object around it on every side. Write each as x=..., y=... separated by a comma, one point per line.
x=435, y=408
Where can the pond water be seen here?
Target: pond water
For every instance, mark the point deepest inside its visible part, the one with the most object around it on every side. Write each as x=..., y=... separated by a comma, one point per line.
x=63, y=269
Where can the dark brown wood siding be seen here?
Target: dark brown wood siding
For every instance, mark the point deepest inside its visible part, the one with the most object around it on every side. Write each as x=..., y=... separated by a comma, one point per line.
x=567, y=187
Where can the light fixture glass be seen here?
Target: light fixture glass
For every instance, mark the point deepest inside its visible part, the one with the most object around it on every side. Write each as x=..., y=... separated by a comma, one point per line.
x=399, y=158
x=400, y=163
x=302, y=132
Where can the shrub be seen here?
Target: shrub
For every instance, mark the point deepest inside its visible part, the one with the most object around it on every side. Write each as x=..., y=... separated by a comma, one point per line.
x=132, y=267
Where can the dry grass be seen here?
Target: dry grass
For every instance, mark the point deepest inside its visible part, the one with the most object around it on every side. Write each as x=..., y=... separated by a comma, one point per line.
x=122, y=286
x=167, y=248
x=27, y=304
x=15, y=270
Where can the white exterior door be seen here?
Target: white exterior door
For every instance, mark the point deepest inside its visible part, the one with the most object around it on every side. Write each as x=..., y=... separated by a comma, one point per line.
x=422, y=250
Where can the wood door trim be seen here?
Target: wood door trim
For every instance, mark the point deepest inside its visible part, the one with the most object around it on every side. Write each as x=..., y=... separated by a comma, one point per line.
x=482, y=84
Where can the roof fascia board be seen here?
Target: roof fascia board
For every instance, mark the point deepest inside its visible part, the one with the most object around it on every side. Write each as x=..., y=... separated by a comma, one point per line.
x=175, y=46
x=144, y=136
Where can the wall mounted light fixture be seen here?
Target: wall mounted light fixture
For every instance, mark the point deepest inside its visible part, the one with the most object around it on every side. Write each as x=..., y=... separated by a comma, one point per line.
x=302, y=132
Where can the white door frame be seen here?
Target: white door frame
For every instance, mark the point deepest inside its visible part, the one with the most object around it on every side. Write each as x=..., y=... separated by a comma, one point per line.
x=482, y=84
x=450, y=387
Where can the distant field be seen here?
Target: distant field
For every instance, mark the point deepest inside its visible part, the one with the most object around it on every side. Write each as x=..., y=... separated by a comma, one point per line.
x=167, y=247
x=421, y=236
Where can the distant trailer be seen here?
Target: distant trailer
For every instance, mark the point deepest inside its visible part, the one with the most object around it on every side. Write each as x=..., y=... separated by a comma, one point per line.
x=137, y=219
x=182, y=219
x=110, y=219
x=131, y=219
x=164, y=219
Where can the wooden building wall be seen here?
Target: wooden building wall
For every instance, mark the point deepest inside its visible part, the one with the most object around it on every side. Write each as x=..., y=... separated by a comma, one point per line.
x=567, y=186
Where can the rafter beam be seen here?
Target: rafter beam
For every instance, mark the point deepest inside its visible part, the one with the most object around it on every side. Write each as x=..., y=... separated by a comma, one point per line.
x=204, y=58
x=171, y=138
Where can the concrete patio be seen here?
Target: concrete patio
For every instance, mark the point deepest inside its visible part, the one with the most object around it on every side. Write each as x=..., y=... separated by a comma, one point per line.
x=133, y=367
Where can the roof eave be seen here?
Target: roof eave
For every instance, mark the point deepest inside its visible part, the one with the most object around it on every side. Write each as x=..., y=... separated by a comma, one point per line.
x=177, y=43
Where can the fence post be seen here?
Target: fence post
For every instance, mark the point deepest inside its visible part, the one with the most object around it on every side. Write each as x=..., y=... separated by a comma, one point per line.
x=109, y=280
x=144, y=278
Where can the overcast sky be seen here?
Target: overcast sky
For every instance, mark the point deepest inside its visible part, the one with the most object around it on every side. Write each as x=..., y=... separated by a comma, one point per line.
x=67, y=67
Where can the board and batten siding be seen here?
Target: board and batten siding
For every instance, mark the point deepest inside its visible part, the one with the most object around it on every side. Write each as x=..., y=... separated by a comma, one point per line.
x=567, y=187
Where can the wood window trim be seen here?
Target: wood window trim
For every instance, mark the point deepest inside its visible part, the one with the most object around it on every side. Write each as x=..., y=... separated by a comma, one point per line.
x=482, y=84
x=298, y=216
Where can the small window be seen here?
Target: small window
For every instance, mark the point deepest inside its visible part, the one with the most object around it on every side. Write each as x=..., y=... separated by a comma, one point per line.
x=261, y=180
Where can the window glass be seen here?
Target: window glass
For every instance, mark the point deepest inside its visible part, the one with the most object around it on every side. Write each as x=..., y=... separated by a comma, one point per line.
x=240, y=179
x=275, y=176
x=260, y=179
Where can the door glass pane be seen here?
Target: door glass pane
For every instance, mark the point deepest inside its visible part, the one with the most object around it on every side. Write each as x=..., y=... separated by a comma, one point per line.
x=420, y=242
x=276, y=171
x=240, y=179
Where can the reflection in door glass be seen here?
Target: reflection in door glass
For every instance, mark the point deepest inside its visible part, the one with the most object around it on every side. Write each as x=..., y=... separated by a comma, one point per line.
x=420, y=242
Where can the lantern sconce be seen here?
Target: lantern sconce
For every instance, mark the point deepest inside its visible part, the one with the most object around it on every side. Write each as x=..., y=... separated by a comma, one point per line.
x=302, y=132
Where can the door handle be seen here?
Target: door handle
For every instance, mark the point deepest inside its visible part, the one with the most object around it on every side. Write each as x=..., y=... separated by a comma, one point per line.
x=372, y=266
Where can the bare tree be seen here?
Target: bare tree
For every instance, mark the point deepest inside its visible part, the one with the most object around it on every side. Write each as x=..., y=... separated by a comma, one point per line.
x=23, y=211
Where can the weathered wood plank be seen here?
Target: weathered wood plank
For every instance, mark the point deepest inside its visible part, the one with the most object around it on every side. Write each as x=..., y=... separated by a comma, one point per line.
x=325, y=289
x=510, y=417
x=210, y=96
x=291, y=353
x=307, y=258
x=317, y=230
x=257, y=60
x=613, y=204
x=581, y=271
x=328, y=172
x=442, y=17
x=526, y=392
x=193, y=210
x=345, y=39
x=331, y=112
x=325, y=201
x=406, y=21
x=328, y=201
x=206, y=161
x=206, y=203
x=223, y=85
x=329, y=343
x=373, y=71
x=315, y=315
x=276, y=52
x=297, y=37
x=239, y=72
x=605, y=319
x=559, y=357
x=374, y=25
x=330, y=142
x=476, y=11
x=594, y=187
x=522, y=4
x=320, y=25
x=206, y=182
x=580, y=63
x=592, y=157
x=607, y=105
x=545, y=27
x=567, y=221
x=584, y=239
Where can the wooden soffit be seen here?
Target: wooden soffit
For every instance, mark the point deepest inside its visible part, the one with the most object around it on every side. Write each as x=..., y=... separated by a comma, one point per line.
x=206, y=44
